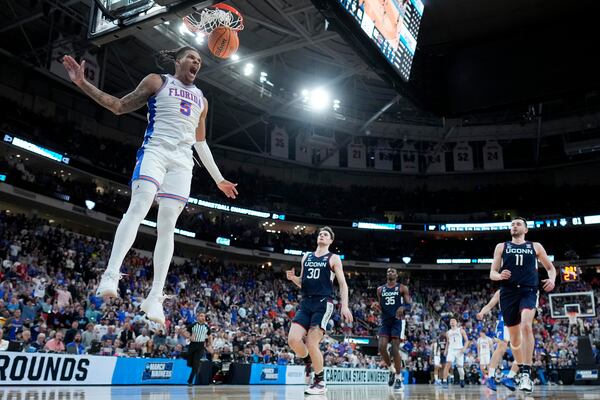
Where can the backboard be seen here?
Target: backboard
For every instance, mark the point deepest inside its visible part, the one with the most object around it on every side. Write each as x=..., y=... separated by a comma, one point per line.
x=110, y=20
x=561, y=304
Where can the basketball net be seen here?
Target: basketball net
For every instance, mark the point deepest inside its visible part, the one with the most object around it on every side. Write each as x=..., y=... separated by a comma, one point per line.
x=207, y=19
x=572, y=315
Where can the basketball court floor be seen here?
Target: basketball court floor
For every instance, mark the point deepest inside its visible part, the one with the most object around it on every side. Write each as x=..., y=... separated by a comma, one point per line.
x=226, y=392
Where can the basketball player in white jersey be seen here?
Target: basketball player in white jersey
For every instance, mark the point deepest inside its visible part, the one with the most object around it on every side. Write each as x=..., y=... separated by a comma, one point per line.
x=438, y=351
x=502, y=339
x=177, y=112
x=458, y=343
x=484, y=350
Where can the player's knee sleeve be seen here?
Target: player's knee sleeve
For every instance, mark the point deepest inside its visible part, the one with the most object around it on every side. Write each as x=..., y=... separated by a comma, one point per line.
x=168, y=212
x=461, y=373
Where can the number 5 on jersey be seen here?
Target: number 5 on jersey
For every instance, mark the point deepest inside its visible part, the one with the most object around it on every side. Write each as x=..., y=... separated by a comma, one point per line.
x=185, y=108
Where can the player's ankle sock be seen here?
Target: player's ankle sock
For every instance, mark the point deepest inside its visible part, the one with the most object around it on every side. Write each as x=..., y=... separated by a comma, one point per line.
x=319, y=377
x=520, y=367
x=491, y=372
x=511, y=374
x=307, y=359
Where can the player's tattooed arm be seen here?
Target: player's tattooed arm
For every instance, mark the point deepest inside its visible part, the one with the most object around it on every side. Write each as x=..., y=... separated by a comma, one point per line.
x=130, y=102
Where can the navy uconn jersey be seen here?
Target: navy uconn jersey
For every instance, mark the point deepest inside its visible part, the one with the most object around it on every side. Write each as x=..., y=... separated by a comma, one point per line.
x=521, y=261
x=317, y=276
x=390, y=300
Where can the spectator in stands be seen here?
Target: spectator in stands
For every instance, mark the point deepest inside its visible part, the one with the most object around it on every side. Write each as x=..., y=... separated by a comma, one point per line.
x=56, y=344
x=76, y=344
x=3, y=342
x=40, y=342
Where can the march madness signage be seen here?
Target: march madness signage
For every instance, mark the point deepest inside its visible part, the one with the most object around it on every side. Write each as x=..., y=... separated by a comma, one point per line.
x=356, y=375
x=158, y=370
x=61, y=369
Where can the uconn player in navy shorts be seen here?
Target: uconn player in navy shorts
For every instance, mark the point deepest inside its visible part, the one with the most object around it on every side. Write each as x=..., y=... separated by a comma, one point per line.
x=515, y=266
x=316, y=281
x=392, y=298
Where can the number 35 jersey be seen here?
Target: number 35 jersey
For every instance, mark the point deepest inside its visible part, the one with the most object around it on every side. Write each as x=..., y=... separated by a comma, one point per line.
x=521, y=261
x=390, y=300
x=173, y=114
x=317, y=276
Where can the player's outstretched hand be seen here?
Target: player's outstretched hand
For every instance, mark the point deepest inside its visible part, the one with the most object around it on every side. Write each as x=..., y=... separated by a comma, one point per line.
x=75, y=70
x=228, y=188
x=479, y=316
x=505, y=275
x=347, y=314
x=548, y=285
x=290, y=274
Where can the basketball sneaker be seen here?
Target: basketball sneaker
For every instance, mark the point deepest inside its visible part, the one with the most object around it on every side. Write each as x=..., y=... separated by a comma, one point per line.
x=525, y=383
x=398, y=385
x=317, y=387
x=508, y=383
x=490, y=383
x=391, y=378
x=153, y=307
x=462, y=383
x=109, y=284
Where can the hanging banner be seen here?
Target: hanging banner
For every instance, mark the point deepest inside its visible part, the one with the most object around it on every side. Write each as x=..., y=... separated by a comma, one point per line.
x=329, y=156
x=463, y=157
x=357, y=156
x=60, y=48
x=303, y=149
x=384, y=158
x=409, y=159
x=280, y=143
x=493, y=158
x=436, y=162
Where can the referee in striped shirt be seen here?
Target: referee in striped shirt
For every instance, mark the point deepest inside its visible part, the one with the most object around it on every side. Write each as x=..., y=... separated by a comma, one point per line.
x=199, y=335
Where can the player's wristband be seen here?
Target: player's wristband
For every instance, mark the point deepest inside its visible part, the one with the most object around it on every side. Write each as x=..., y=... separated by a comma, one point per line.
x=208, y=161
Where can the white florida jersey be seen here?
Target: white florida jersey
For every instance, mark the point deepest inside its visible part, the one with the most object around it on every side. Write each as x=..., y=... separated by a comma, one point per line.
x=173, y=113
x=485, y=344
x=455, y=339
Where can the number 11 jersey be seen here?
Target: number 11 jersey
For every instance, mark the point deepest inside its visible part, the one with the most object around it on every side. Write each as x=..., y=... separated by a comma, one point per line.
x=521, y=261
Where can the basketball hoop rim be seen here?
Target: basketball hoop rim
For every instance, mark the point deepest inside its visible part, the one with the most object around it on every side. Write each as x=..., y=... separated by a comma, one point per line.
x=195, y=21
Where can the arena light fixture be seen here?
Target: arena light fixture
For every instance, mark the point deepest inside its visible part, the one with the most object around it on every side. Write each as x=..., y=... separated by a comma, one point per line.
x=319, y=99
x=248, y=69
x=90, y=204
x=199, y=37
x=235, y=57
x=406, y=260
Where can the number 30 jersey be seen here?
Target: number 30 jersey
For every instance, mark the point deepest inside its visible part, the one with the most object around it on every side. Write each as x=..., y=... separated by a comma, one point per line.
x=173, y=114
x=317, y=276
x=390, y=299
x=521, y=261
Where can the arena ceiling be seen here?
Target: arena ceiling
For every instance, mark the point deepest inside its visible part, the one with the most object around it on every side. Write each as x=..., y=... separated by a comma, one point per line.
x=288, y=40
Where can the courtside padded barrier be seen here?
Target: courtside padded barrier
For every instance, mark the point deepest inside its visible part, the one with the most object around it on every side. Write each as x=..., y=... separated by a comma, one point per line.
x=64, y=369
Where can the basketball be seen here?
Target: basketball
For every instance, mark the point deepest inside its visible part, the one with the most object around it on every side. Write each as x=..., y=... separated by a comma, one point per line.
x=223, y=42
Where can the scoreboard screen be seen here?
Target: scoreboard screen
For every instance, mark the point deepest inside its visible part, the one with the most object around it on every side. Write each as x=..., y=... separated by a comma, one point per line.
x=392, y=26
x=569, y=273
